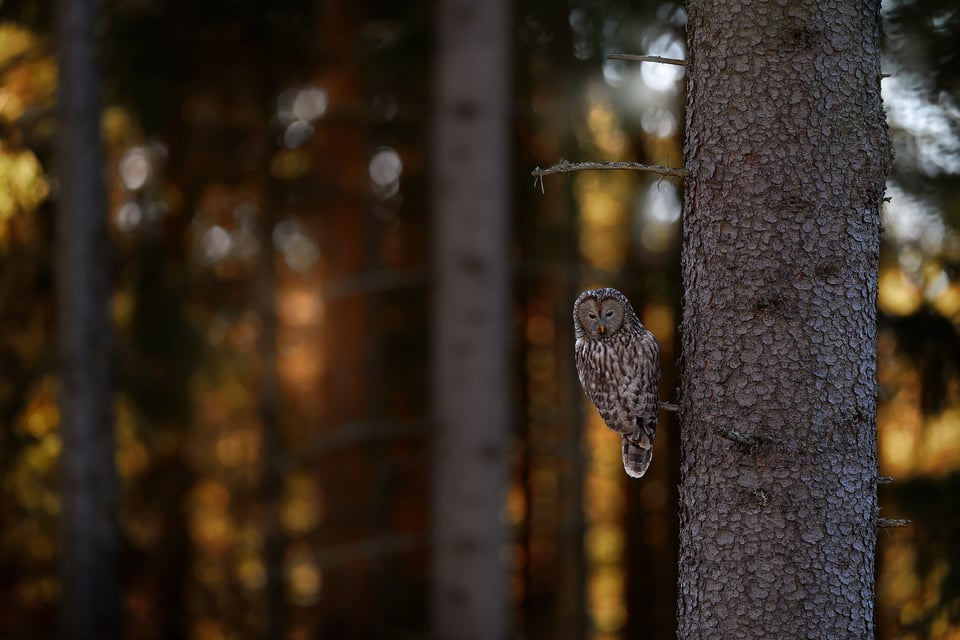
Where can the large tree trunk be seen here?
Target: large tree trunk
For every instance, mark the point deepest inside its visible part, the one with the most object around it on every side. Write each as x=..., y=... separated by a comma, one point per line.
x=471, y=318
x=89, y=537
x=787, y=152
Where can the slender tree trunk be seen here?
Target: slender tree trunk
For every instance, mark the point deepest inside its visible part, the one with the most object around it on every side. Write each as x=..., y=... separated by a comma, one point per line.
x=471, y=318
x=269, y=392
x=89, y=537
x=788, y=152
x=269, y=410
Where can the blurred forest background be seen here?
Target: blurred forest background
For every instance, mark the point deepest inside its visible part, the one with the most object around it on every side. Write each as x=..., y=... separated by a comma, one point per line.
x=270, y=159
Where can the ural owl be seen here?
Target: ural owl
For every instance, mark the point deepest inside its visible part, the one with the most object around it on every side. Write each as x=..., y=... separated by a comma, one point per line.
x=618, y=361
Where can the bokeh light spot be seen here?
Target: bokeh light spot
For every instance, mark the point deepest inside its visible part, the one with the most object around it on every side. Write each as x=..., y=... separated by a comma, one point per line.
x=385, y=167
x=135, y=168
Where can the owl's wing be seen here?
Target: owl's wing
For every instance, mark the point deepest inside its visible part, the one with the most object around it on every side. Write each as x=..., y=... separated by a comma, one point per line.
x=605, y=381
x=622, y=380
x=642, y=395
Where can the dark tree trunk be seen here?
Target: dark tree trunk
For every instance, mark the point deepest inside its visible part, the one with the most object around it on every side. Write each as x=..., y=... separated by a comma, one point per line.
x=471, y=318
x=271, y=437
x=787, y=152
x=269, y=388
x=89, y=537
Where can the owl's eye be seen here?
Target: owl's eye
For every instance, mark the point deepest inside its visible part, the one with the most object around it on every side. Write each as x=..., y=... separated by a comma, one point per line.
x=592, y=315
x=609, y=313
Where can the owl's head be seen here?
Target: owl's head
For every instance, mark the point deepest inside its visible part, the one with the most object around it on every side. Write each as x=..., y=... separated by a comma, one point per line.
x=600, y=313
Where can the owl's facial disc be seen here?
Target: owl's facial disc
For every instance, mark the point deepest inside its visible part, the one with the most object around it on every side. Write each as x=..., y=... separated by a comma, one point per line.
x=593, y=317
x=610, y=316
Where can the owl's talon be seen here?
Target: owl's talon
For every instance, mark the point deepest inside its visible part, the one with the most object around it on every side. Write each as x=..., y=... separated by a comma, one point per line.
x=669, y=406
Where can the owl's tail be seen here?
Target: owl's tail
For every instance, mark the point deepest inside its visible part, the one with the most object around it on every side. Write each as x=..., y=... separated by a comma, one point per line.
x=637, y=453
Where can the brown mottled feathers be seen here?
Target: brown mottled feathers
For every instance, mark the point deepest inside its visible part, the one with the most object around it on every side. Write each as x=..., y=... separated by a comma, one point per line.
x=618, y=361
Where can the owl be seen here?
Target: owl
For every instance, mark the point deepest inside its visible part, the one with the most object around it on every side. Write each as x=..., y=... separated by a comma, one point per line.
x=618, y=362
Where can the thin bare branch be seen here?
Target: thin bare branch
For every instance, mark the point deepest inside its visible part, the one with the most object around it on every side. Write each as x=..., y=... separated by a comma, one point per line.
x=736, y=436
x=341, y=554
x=374, y=281
x=24, y=57
x=884, y=479
x=352, y=434
x=565, y=166
x=888, y=523
x=636, y=58
x=669, y=406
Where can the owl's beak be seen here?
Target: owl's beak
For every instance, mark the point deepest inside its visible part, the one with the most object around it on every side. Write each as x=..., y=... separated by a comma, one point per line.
x=602, y=328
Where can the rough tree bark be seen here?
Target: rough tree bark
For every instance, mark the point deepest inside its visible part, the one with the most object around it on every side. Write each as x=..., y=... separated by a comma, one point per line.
x=787, y=152
x=471, y=318
x=89, y=535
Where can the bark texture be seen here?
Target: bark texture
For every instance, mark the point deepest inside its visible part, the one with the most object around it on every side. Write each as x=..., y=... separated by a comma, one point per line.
x=89, y=534
x=471, y=318
x=788, y=152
